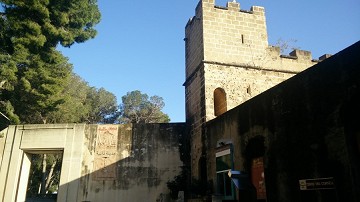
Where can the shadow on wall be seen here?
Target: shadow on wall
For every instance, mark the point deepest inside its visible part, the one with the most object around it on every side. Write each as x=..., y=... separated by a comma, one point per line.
x=146, y=157
x=309, y=129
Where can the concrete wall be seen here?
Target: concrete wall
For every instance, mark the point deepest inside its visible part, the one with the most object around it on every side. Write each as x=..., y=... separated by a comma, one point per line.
x=305, y=128
x=149, y=156
x=2, y=143
x=100, y=162
x=21, y=140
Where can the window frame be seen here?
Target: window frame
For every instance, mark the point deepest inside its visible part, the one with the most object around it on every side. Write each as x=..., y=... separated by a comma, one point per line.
x=226, y=188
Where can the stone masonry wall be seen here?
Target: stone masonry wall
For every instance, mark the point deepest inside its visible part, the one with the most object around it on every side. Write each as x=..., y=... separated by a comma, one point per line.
x=227, y=48
x=240, y=84
x=238, y=57
x=194, y=52
x=194, y=114
x=231, y=36
x=194, y=84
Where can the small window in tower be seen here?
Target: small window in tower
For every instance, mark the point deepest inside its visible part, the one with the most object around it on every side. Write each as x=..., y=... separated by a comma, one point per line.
x=248, y=90
x=242, y=39
x=220, y=105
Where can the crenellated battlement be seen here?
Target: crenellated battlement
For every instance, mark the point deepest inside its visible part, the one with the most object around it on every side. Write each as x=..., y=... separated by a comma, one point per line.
x=230, y=6
x=296, y=54
x=233, y=6
x=236, y=7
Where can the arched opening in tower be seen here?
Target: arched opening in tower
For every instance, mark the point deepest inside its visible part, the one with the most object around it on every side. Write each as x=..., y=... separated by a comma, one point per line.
x=220, y=105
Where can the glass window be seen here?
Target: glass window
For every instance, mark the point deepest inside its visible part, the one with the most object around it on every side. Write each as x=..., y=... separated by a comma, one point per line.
x=224, y=163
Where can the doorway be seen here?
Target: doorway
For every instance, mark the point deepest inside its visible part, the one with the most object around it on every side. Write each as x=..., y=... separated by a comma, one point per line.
x=44, y=176
x=254, y=155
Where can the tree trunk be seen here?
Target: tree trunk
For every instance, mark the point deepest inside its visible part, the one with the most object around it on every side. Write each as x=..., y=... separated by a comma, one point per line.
x=49, y=177
x=43, y=180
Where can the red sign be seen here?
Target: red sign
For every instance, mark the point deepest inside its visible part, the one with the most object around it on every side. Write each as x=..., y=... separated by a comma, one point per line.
x=258, y=178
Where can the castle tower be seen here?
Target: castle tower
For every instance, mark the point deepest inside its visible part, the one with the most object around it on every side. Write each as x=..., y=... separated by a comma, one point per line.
x=228, y=61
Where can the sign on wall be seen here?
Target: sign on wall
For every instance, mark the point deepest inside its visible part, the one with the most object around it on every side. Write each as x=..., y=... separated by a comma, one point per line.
x=317, y=183
x=105, y=152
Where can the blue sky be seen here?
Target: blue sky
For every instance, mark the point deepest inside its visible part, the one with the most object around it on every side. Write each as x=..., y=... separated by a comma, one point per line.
x=140, y=44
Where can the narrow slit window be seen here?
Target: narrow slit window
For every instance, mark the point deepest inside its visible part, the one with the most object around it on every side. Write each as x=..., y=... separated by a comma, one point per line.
x=248, y=90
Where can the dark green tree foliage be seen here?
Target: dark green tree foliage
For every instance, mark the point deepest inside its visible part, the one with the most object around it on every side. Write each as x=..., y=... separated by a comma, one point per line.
x=73, y=108
x=38, y=91
x=103, y=105
x=7, y=72
x=39, y=24
x=36, y=81
x=139, y=108
x=85, y=104
x=33, y=74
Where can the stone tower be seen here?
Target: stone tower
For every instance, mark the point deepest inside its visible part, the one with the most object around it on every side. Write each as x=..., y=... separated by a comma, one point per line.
x=228, y=61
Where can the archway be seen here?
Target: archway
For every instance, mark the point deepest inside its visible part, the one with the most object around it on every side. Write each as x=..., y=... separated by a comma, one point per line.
x=220, y=104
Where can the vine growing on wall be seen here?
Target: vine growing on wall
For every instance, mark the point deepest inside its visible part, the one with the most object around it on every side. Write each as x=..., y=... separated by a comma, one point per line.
x=286, y=46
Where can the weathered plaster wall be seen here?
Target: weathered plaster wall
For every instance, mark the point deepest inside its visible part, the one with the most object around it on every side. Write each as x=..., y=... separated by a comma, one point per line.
x=133, y=164
x=309, y=126
x=148, y=156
